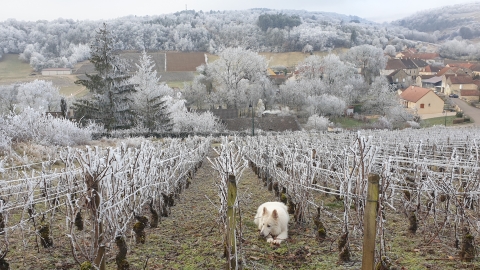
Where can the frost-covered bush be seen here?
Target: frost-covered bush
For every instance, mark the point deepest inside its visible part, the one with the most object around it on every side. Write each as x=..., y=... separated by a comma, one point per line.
x=383, y=123
x=32, y=126
x=398, y=116
x=5, y=141
x=317, y=123
x=196, y=122
x=413, y=124
x=185, y=121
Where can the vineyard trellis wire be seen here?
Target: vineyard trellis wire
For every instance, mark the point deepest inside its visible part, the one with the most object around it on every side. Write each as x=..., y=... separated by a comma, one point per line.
x=102, y=194
x=101, y=191
x=432, y=176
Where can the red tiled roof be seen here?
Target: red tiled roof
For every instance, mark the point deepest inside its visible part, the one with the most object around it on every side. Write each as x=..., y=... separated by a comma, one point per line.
x=433, y=68
x=424, y=56
x=447, y=70
x=414, y=93
x=462, y=65
x=395, y=64
x=469, y=93
x=460, y=79
x=475, y=67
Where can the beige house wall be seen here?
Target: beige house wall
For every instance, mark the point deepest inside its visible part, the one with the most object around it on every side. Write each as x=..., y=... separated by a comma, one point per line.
x=56, y=72
x=431, y=104
x=455, y=88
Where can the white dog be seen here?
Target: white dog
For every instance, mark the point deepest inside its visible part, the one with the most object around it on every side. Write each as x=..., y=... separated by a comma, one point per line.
x=272, y=220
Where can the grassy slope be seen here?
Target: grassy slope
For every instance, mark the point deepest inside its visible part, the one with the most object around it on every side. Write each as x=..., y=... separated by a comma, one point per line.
x=11, y=67
x=440, y=121
x=13, y=70
x=291, y=59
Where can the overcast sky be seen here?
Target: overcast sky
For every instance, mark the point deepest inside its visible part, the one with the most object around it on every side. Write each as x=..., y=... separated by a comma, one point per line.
x=374, y=10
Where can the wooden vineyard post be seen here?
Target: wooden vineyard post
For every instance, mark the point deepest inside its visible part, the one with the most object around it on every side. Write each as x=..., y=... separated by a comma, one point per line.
x=231, y=244
x=370, y=222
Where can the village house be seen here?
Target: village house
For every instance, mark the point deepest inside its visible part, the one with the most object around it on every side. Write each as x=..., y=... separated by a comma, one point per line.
x=476, y=70
x=421, y=65
x=431, y=82
x=278, y=77
x=410, y=68
x=460, y=84
x=430, y=70
x=429, y=58
x=399, y=78
x=450, y=71
x=392, y=66
x=421, y=100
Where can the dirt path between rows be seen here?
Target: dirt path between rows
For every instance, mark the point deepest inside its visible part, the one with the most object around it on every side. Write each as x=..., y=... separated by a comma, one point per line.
x=190, y=237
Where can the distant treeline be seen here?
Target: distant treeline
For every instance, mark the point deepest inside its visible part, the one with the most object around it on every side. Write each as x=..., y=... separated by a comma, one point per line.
x=280, y=21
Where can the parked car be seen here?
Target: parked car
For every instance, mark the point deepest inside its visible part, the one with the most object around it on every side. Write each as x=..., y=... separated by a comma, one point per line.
x=453, y=95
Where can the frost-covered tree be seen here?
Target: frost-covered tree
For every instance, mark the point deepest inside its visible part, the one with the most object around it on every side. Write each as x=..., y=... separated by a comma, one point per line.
x=369, y=59
x=307, y=49
x=330, y=75
x=289, y=94
x=39, y=95
x=390, y=50
x=238, y=76
x=197, y=93
x=398, y=116
x=381, y=97
x=460, y=49
x=317, y=123
x=185, y=121
x=111, y=101
x=328, y=105
x=150, y=109
x=8, y=98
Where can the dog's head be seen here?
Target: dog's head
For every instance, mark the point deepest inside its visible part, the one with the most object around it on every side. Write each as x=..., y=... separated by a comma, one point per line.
x=269, y=223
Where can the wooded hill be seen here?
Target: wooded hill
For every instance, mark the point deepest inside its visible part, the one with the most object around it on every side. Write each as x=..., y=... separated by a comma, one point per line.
x=446, y=22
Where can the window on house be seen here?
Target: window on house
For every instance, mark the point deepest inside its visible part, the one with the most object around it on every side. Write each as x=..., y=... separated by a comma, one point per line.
x=428, y=104
x=422, y=106
x=460, y=86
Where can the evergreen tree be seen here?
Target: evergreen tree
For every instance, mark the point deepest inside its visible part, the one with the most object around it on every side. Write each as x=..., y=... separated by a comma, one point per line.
x=150, y=108
x=111, y=102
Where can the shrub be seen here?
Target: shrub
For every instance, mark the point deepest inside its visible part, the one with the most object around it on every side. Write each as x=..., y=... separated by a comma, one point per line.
x=413, y=124
x=32, y=126
x=317, y=123
x=458, y=120
x=459, y=114
x=382, y=123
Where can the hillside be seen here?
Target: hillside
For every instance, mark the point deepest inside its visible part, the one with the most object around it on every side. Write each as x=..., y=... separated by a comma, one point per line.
x=449, y=21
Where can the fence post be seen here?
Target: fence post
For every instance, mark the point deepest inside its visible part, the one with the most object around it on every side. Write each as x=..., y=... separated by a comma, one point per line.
x=231, y=244
x=370, y=222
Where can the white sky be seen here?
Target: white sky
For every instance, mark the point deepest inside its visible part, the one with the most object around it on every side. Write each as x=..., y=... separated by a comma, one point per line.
x=374, y=10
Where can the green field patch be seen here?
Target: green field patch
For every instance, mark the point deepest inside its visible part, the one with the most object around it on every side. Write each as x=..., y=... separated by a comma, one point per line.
x=12, y=67
x=347, y=122
x=440, y=121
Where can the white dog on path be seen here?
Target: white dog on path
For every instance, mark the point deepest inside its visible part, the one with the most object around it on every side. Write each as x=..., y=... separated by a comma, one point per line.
x=272, y=220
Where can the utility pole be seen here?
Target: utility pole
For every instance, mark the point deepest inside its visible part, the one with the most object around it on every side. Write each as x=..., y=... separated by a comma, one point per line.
x=253, y=122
